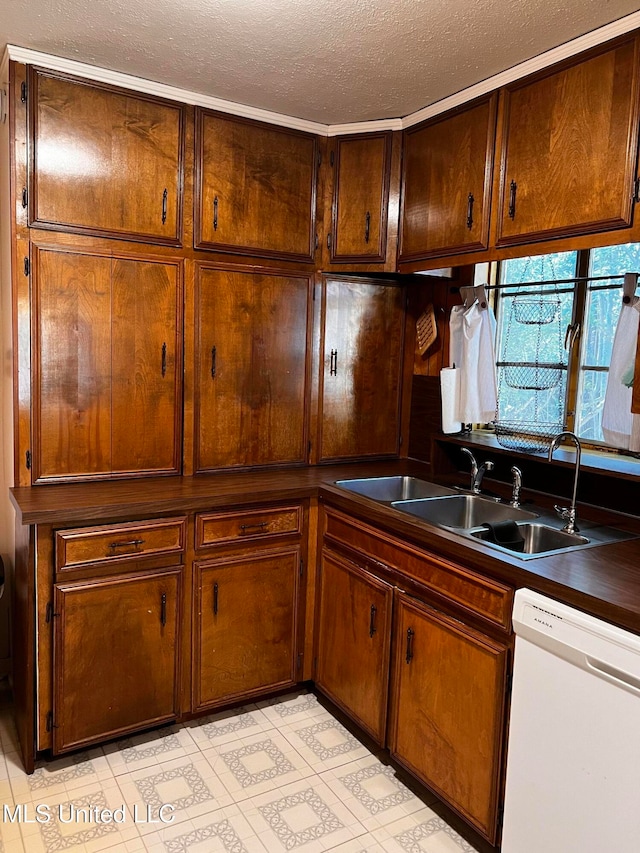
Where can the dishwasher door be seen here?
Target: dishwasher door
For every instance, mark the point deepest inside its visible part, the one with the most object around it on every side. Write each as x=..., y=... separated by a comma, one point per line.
x=573, y=761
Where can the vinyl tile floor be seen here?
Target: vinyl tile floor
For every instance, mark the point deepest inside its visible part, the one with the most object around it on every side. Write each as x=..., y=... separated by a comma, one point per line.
x=279, y=775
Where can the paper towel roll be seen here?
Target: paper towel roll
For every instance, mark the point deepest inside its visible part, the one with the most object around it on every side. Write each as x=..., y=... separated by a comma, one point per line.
x=449, y=379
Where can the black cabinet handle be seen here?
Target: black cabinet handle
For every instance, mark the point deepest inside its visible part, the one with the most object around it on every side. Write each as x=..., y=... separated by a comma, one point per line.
x=165, y=195
x=163, y=609
x=333, y=363
x=410, y=633
x=512, y=200
x=164, y=360
x=215, y=599
x=367, y=226
x=372, y=620
x=213, y=362
x=131, y=543
x=248, y=527
x=470, y=211
x=215, y=213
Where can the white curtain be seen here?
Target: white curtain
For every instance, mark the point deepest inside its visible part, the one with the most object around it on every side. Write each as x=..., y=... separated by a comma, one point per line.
x=621, y=428
x=471, y=348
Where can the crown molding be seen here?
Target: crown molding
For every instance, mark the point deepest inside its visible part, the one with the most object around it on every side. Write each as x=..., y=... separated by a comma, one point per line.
x=162, y=90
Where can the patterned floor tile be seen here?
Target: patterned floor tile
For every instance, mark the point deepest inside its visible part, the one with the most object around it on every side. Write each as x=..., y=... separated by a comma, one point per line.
x=222, y=831
x=257, y=764
x=148, y=749
x=325, y=743
x=55, y=777
x=305, y=816
x=173, y=792
x=227, y=726
x=421, y=832
x=372, y=791
x=293, y=708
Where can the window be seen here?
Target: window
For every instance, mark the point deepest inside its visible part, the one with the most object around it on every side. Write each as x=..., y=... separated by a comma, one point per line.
x=574, y=347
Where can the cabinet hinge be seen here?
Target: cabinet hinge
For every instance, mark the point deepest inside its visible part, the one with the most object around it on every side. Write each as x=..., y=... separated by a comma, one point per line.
x=23, y=91
x=509, y=682
x=332, y=158
x=27, y=267
x=319, y=159
x=49, y=724
x=49, y=614
x=27, y=459
x=299, y=661
x=329, y=240
x=317, y=242
x=636, y=190
x=309, y=446
x=24, y=196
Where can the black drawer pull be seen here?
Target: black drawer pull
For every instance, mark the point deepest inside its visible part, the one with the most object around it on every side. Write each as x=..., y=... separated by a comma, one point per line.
x=213, y=362
x=163, y=609
x=512, y=200
x=215, y=213
x=215, y=599
x=165, y=195
x=470, y=211
x=258, y=526
x=410, y=633
x=164, y=360
x=132, y=543
x=372, y=620
x=367, y=227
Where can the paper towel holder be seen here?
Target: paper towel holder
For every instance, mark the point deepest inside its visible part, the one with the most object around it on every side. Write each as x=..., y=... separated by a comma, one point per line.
x=477, y=293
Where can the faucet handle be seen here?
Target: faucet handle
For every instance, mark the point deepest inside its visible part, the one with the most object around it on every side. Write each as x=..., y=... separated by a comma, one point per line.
x=568, y=514
x=517, y=486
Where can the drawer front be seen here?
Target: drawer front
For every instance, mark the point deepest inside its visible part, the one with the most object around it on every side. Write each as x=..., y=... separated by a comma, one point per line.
x=119, y=543
x=217, y=528
x=481, y=596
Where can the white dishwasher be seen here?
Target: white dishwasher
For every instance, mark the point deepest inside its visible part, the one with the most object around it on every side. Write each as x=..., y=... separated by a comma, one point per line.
x=573, y=761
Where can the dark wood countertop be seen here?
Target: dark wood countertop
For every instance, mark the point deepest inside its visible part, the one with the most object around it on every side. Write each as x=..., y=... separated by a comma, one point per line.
x=603, y=580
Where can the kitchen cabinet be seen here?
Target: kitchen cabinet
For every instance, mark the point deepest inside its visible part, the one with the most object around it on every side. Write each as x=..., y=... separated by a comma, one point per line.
x=115, y=655
x=245, y=625
x=446, y=182
x=354, y=636
x=362, y=168
x=255, y=188
x=360, y=367
x=448, y=710
x=252, y=367
x=104, y=161
x=569, y=147
x=107, y=365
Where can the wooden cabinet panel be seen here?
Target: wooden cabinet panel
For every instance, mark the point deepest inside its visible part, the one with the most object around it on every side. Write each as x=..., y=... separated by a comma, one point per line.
x=361, y=198
x=115, y=656
x=220, y=528
x=107, y=365
x=360, y=367
x=252, y=367
x=105, y=161
x=255, y=188
x=570, y=139
x=245, y=625
x=447, y=171
x=354, y=635
x=448, y=710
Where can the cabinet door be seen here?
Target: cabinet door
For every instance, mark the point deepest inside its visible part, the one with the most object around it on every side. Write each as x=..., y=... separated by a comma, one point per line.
x=107, y=344
x=361, y=198
x=354, y=634
x=251, y=368
x=361, y=368
x=245, y=630
x=447, y=169
x=115, y=656
x=256, y=187
x=105, y=161
x=146, y=366
x=570, y=141
x=448, y=703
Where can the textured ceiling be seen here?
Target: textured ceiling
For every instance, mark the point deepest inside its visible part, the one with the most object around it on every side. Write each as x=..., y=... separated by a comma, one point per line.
x=330, y=61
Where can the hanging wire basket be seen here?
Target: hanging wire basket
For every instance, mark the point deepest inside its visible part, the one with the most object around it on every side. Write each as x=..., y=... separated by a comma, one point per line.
x=535, y=312
x=533, y=377
x=526, y=437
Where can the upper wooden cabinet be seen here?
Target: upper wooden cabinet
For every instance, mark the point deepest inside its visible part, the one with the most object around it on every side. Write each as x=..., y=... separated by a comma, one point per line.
x=569, y=147
x=252, y=329
x=360, y=368
x=104, y=161
x=362, y=165
x=106, y=365
x=255, y=188
x=446, y=182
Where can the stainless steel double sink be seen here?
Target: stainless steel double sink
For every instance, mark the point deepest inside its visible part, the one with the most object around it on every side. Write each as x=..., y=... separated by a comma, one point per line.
x=466, y=514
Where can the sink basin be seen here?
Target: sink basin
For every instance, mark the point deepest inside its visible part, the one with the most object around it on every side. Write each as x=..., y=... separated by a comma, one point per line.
x=539, y=539
x=462, y=511
x=389, y=489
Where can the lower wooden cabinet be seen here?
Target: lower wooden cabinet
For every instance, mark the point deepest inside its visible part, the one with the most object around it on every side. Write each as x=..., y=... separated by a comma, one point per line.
x=354, y=635
x=448, y=710
x=245, y=625
x=115, y=655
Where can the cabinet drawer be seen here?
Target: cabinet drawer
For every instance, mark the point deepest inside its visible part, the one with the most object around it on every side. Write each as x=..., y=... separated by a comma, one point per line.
x=217, y=528
x=87, y=546
x=488, y=599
